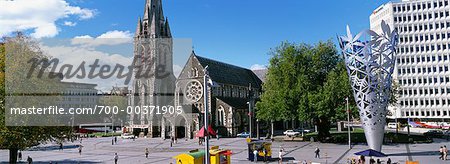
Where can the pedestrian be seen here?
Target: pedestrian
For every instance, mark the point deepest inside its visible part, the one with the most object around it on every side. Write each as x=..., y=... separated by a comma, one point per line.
x=61, y=146
x=115, y=140
x=371, y=161
x=116, y=158
x=280, y=156
x=265, y=154
x=217, y=134
x=389, y=161
x=146, y=152
x=362, y=159
x=80, y=148
x=29, y=160
x=317, y=152
x=441, y=153
x=19, y=155
x=255, y=155
x=112, y=141
x=378, y=161
x=445, y=151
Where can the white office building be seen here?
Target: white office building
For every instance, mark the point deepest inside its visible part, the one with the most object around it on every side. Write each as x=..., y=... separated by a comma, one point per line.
x=423, y=58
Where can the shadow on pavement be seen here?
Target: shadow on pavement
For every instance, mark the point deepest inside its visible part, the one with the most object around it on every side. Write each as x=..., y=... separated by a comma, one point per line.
x=53, y=147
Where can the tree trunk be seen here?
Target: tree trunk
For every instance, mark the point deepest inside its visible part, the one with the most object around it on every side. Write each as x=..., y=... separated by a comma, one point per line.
x=323, y=127
x=13, y=155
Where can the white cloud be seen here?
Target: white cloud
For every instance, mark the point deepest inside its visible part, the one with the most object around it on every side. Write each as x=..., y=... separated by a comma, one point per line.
x=257, y=67
x=109, y=38
x=75, y=55
x=116, y=34
x=69, y=23
x=38, y=15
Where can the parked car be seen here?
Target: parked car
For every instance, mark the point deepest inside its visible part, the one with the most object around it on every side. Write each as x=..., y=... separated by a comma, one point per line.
x=434, y=133
x=243, y=134
x=127, y=136
x=291, y=133
x=304, y=130
x=393, y=125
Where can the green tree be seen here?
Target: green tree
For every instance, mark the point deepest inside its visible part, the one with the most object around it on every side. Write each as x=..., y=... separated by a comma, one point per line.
x=305, y=82
x=17, y=138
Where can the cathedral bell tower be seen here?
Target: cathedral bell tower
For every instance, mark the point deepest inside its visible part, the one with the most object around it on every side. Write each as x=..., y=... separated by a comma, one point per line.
x=153, y=78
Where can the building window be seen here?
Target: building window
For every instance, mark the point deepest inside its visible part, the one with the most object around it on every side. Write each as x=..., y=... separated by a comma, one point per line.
x=221, y=119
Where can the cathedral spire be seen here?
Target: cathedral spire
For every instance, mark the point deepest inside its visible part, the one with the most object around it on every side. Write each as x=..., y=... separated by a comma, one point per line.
x=153, y=23
x=167, y=28
x=146, y=9
x=138, y=27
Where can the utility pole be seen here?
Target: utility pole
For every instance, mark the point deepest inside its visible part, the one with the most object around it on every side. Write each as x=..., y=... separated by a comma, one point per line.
x=348, y=126
x=257, y=129
x=250, y=109
x=205, y=105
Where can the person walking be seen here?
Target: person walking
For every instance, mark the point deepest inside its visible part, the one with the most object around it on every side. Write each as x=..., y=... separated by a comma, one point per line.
x=19, y=156
x=115, y=140
x=389, y=161
x=80, y=148
x=146, y=152
x=441, y=153
x=280, y=156
x=116, y=158
x=317, y=153
x=445, y=151
x=29, y=160
x=255, y=155
x=112, y=141
x=217, y=134
x=61, y=147
x=265, y=154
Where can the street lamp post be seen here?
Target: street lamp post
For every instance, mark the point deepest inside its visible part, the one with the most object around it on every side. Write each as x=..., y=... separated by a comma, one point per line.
x=205, y=104
x=250, y=109
x=348, y=125
x=396, y=122
x=257, y=129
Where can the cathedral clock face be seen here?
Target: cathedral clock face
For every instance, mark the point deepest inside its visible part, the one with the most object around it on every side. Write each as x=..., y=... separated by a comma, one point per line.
x=193, y=91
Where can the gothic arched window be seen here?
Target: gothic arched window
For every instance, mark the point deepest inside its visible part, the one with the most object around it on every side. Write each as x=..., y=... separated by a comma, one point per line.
x=221, y=119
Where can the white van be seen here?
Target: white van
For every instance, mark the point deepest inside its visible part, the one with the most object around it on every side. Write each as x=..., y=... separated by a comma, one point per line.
x=392, y=125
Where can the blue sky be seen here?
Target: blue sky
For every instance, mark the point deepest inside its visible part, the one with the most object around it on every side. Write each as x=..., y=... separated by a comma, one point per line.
x=233, y=31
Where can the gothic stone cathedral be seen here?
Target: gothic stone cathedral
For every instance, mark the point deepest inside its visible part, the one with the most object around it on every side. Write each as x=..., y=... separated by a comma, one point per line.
x=229, y=100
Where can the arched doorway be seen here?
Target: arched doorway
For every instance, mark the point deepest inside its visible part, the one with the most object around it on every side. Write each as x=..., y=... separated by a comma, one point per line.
x=180, y=127
x=167, y=127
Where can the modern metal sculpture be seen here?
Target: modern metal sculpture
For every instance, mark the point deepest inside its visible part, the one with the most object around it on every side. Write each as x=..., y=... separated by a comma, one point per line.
x=370, y=66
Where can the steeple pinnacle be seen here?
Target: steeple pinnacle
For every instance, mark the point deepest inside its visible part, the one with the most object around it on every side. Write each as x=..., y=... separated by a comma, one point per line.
x=153, y=23
x=138, y=27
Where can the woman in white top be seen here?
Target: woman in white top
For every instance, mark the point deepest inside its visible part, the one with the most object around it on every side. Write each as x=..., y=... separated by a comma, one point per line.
x=280, y=156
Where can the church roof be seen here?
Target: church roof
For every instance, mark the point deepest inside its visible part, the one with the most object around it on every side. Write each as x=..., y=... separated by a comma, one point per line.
x=261, y=73
x=229, y=74
x=239, y=103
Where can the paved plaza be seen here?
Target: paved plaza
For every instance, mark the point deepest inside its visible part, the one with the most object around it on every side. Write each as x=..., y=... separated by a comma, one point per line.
x=100, y=150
